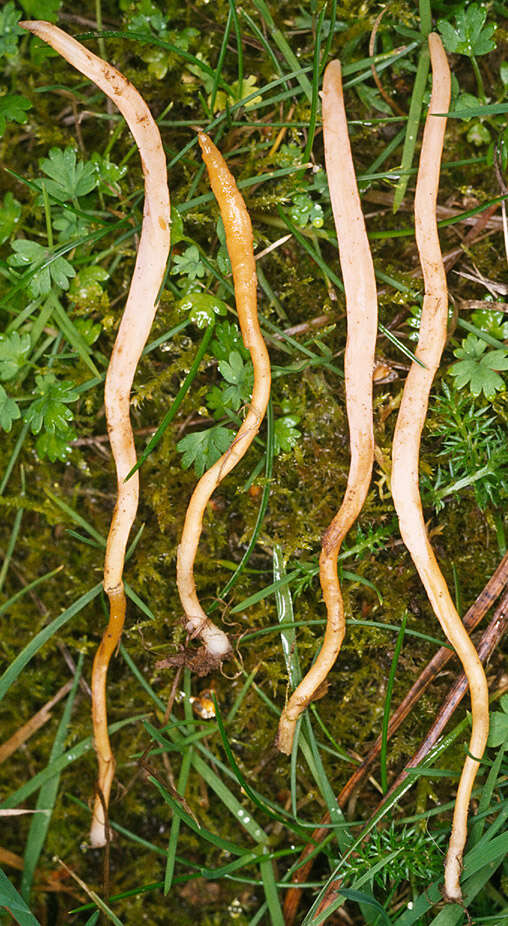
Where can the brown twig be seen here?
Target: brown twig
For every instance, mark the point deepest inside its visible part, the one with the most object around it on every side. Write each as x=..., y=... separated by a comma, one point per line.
x=482, y=220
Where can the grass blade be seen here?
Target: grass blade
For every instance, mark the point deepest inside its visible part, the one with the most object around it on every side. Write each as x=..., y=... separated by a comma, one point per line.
x=181, y=787
x=71, y=333
x=182, y=392
x=413, y=122
x=11, y=901
x=388, y=702
x=64, y=761
x=47, y=795
x=18, y=664
x=284, y=48
x=263, y=506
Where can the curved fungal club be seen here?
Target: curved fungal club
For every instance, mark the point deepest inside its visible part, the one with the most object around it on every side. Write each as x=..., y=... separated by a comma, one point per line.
x=132, y=334
x=239, y=241
x=406, y=449
x=361, y=306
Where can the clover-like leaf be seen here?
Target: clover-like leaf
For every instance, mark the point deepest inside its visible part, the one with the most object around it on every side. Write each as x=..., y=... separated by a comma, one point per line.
x=202, y=308
x=286, y=434
x=304, y=210
x=86, y=290
x=238, y=92
x=88, y=330
x=13, y=108
x=239, y=374
x=478, y=368
x=9, y=29
x=108, y=174
x=55, y=445
x=31, y=255
x=50, y=408
x=227, y=338
x=14, y=351
x=10, y=214
x=68, y=178
x=498, y=733
x=189, y=263
x=9, y=410
x=203, y=448
x=41, y=9
x=470, y=36
x=147, y=16
x=494, y=323
x=70, y=225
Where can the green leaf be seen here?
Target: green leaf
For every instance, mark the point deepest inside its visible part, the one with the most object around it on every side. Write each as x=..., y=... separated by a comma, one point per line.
x=227, y=338
x=176, y=226
x=13, y=108
x=85, y=289
x=239, y=374
x=238, y=92
x=372, y=99
x=498, y=732
x=465, y=102
x=30, y=254
x=470, y=36
x=232, y=369
x=9, y=411
x=223, y=261
x=147, y=16
x=13, y=902
x=9, y=29
x=69, y=178
x=477, y=368
x=88, y=330
x=304, y=210
x=14, y=351
x=69, y=225
x=478, y=134
x=41, y=9
x=107, y=174
x=10, y=214
x=286, y=434
x=202, y=308
x=203, y=448
x=494, y=323
x=55, y=445
x=189, y=263
x=50, y=408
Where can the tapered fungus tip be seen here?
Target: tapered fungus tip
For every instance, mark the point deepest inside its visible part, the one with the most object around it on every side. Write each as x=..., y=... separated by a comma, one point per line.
x=33, y=25
x=334, y=69
x=204, y=141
